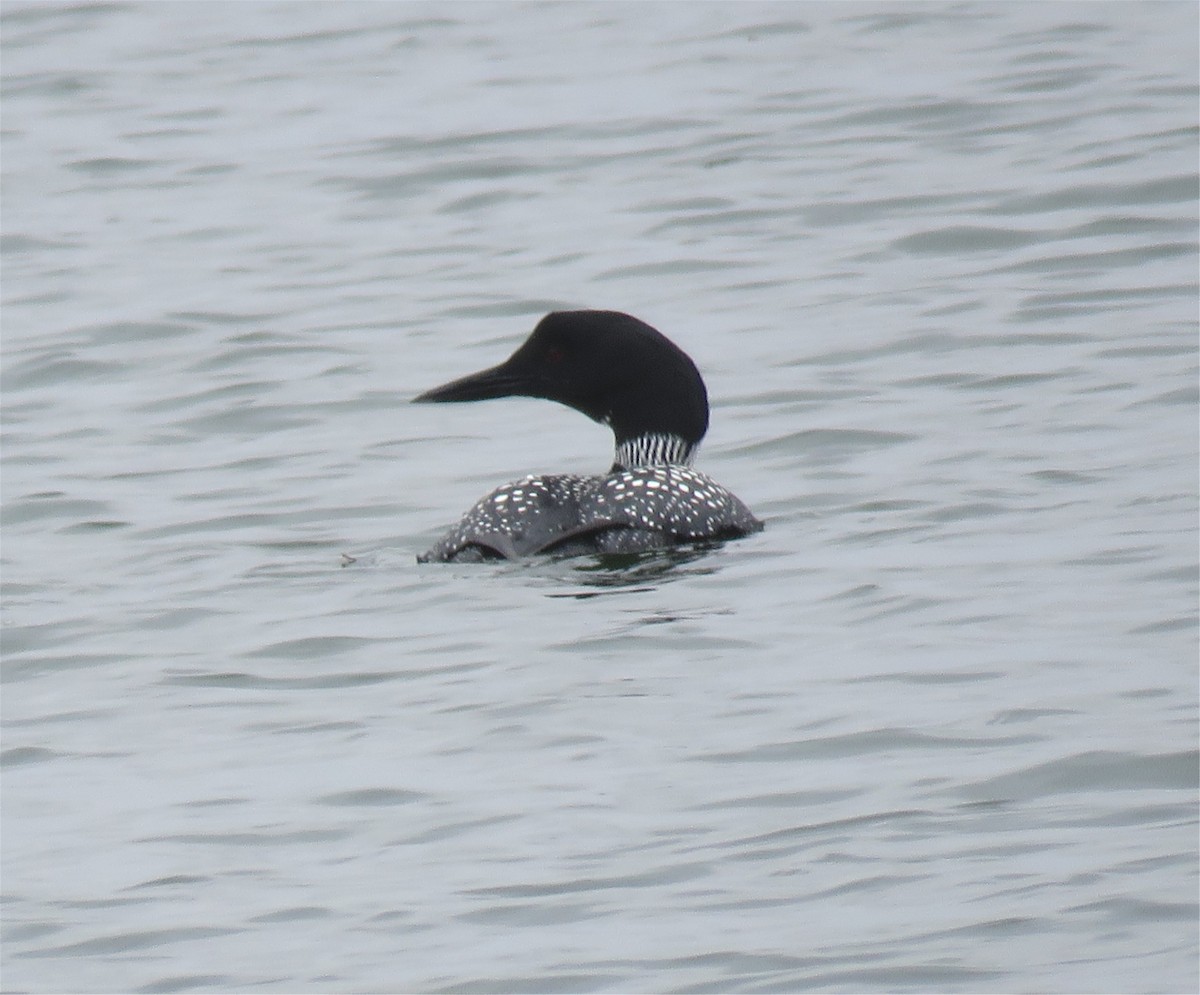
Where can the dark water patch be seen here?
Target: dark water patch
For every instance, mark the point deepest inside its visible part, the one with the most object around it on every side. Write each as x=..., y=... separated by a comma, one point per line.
x=874, y=537
x=925, y=343
x=846, y=212
x=536, y=914
x=1165, y=190
x=1008, y=380
x=921, y=115
x=1046, y=80
x=1100, y=770
x=103, y=903
x=966, y=512
x=256, y=682
x=684, y=205
x=752, y=32
x=453, y=830
x=1189, y=574
x=1143, y=816
x=404, y=145
x=20, y=756
x=239, y=355
x=988, y=930
x=823, y=441
x=308, y=728
x=1179, y=348
x=70, y=717
x=674, y=874
x=541, y=984
x=297, y=913
x=293, y=40
x=782, y=799
x=1049, y=312
x=727, y=220
x=175, y=618
x=947, y=310
x=313, y=648
x=1123, y=225
x=505, y=307
x=1108, y=296
x=123, y=332
x=87, y=528
x=1100, y=262
x=36, y=666
x=953, y=239
x=1136, y=694
x=16, y=243
x=371, y=797
x=877, y=882
x=887, y=506
x=918, y=678
x=481, y=201
x=273, y=523
x=223, y=394
x=795, y=839
x=124, y=943
x=672, y=268
x=1188, y=396
x=1143, y=864
x=1182, y=623
x=250, y=420
x=900, y=977
x=170, y=881
x=110, y=165
x=439, y=176
x=26, y=931
x=19, y=639
x=961, y=379
x=876, y=741
x=679, y=640
x=262, y=838
x=59, y=370
x=189, y=983
x=77, y=15
x=1115, y=556
x=53, y=84
x=1063, y=477
x=1073, y=31
x=1028, y=715
x=1123, y=909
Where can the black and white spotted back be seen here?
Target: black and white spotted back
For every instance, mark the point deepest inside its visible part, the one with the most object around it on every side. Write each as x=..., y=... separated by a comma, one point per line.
x=626, y=511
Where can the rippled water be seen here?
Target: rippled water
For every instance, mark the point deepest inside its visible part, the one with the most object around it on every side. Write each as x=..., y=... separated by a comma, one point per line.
x=934, y=729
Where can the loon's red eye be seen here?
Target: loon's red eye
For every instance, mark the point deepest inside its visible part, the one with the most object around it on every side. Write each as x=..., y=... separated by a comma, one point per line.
x=555, y=354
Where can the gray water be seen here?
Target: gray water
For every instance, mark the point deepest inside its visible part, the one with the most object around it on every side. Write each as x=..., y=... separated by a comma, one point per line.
x=935, y=729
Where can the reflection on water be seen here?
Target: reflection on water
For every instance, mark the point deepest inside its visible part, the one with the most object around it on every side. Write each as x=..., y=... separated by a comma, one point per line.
x=622, y=570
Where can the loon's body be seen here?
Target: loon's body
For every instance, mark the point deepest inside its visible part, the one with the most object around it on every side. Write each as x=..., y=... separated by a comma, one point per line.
x=620, y=371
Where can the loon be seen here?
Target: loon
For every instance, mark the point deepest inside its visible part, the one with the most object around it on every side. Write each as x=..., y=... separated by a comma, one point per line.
x=619, y=371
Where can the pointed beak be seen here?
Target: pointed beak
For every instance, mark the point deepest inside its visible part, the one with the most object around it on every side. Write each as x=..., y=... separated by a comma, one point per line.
x=499, y=381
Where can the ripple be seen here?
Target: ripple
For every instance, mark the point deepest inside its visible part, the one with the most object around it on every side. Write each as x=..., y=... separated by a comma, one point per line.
x=1099, y=770
x=371, y=797
x=121, y=943
x=953, y=239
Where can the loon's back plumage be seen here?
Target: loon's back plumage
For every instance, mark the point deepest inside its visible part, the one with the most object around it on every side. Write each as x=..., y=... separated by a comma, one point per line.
x=621, y=371
x=629, y=511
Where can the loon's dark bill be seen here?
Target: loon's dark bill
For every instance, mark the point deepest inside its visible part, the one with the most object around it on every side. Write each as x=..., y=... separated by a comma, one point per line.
x=499, y=381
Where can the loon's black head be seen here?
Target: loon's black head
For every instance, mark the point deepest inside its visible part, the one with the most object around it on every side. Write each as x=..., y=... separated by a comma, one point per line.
x=611, y=366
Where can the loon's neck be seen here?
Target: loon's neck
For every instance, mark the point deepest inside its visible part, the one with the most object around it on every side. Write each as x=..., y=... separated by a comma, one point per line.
x=654, y=449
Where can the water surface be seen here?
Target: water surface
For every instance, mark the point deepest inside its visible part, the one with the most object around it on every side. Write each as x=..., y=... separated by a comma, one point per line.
x=935, y=729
